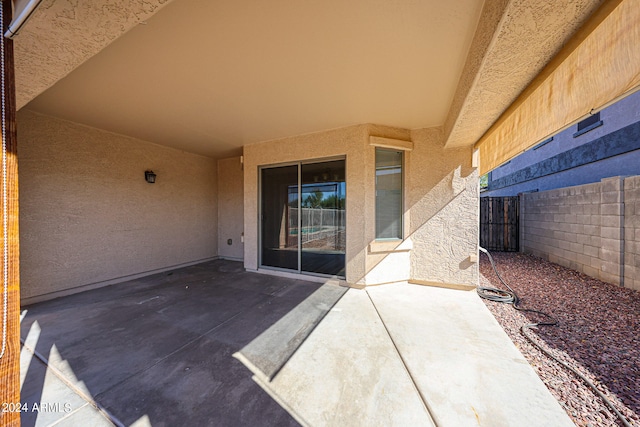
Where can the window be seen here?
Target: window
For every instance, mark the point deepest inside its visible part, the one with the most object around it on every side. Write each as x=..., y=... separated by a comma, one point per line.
x=591, y=122
x=389, y=190
x=484, y=181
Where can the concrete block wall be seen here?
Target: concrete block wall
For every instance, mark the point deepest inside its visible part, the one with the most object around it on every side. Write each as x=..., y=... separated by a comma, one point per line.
x=632, y=232
x=592, y=228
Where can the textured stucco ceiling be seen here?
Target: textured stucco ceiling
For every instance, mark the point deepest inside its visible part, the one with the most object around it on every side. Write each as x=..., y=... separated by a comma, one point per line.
x=210, y=76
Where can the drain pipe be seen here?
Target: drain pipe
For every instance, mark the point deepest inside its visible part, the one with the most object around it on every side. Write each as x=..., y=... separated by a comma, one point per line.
x=23, y=10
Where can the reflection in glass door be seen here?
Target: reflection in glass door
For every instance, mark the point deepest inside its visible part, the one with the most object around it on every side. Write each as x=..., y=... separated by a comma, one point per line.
x=303, y=217
x=279, y=217
x=322, y=225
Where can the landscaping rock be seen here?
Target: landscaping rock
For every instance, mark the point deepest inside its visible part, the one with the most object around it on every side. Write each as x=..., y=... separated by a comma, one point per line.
x=598, y=334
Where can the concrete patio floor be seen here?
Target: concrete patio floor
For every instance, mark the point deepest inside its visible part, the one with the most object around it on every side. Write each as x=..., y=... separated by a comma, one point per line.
x=213, y=345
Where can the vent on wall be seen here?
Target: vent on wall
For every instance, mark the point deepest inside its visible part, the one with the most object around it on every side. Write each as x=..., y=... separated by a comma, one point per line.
x=588, y=124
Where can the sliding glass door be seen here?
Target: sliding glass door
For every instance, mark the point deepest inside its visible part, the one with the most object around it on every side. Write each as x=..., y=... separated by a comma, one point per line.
x=303, y=224
x=279, y=217
x=322, y=218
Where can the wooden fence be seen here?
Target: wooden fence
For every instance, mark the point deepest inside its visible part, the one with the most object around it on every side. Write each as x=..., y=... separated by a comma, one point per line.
x=499, y=223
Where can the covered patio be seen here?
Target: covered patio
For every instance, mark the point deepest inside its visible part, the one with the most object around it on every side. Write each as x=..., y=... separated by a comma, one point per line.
x=154, y=141
x=215, y=345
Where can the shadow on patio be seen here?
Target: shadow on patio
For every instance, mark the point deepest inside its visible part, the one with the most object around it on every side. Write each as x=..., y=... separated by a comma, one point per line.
x=169, y=349
x=159, y=350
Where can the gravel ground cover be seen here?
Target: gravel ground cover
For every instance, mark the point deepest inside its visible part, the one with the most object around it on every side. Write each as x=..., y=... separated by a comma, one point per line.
x=598, y=334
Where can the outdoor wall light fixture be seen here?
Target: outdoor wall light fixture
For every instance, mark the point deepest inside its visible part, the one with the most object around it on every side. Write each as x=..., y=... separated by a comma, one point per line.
x=149, y=176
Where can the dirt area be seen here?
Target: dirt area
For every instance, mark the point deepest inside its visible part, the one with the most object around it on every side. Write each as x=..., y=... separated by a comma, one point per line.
x=598, y=334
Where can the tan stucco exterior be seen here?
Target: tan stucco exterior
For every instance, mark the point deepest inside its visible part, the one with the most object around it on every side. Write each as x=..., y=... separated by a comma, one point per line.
x=444, y=200
x=88, y=219
x=230, y=208
x=441, y=204
x=87, y=216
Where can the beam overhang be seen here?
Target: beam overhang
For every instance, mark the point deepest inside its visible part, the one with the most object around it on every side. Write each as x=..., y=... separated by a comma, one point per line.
x=599, y=65
x=48, y=49
x=513, y=43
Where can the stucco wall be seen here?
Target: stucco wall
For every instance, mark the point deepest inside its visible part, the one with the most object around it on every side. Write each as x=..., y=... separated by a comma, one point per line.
x=230, y=208
x=445, y=204
x=441, y=204
x=87, y=216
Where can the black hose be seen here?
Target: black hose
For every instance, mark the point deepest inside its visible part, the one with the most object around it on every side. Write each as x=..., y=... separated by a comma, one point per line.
x=510, y=297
